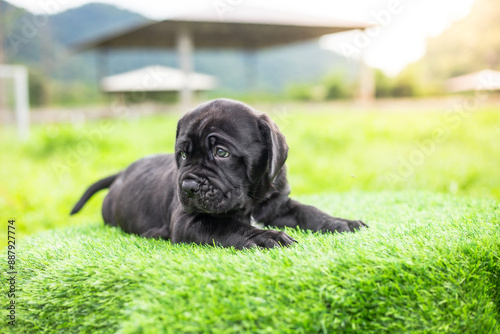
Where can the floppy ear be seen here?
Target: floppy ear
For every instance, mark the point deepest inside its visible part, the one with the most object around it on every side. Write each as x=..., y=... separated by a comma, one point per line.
x=276, y=146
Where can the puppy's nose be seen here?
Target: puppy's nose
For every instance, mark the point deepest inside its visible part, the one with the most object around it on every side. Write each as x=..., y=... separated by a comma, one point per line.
x=190, y=187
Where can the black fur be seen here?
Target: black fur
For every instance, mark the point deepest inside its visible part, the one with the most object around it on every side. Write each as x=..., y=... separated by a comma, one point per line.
x=201, y=195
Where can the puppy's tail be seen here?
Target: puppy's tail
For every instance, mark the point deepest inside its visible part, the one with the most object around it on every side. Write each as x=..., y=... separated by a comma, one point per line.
x=99, y=185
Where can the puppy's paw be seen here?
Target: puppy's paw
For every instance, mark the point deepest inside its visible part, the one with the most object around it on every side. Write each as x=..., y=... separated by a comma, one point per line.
x=355, y=225
x=270, y=239
x=342, y=225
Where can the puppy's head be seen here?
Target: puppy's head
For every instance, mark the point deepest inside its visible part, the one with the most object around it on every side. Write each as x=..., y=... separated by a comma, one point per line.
x=228, y=155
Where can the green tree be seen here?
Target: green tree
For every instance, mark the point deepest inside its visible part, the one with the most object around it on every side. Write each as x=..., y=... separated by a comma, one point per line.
x=470, y=45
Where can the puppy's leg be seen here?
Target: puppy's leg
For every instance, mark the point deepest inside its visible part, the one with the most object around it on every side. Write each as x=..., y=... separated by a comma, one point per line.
x=226, y=232
x=157, y=232
x=281, y=211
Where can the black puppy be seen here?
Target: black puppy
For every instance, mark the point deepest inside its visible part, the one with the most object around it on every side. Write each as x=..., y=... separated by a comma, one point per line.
x=226, y=170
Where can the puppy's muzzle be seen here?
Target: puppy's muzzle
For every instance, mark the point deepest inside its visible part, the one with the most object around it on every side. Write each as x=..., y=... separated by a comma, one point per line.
x=190, y=187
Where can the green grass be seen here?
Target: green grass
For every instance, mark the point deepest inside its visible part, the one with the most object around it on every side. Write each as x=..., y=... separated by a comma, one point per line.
x=426, y=182
x=330, y=151
x=428, y=264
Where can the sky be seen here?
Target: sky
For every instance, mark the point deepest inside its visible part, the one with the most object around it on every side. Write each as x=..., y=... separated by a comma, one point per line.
x=398, y=39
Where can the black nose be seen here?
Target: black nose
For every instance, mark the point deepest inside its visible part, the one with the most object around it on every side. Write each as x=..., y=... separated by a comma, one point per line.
x=190, y=187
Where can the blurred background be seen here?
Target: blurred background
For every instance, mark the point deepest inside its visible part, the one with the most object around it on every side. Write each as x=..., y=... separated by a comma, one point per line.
x=372, y=95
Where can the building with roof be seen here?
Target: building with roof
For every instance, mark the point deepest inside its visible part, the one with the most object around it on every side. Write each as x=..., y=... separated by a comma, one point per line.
x=245, y=28
x=486, y=80
x=156, y=78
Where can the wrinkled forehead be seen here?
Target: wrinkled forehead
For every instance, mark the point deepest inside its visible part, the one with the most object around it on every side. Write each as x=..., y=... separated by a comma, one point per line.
x=233, y=120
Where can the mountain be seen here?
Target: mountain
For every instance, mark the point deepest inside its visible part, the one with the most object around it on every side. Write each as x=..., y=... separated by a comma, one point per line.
x=43, y=43
x=21, y=42
x=271, y=69
x=91, y=21
x=40, y=39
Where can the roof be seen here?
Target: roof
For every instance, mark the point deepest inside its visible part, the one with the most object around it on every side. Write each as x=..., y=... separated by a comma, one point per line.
x=241, y=27
x=156, y=79
x=482, y=80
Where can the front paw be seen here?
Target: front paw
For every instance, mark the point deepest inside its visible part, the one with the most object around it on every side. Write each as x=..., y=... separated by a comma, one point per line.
x=269, y=239
x=342, y=225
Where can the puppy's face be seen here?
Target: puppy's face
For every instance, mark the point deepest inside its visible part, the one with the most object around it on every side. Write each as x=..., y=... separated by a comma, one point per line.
x=226, y=153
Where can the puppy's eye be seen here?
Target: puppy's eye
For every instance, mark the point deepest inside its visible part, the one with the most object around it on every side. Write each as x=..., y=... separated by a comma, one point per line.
x=221, y=153
x=183, y=155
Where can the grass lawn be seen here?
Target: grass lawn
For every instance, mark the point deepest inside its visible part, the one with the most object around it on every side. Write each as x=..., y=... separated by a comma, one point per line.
x=429, y=263
x=426, y=183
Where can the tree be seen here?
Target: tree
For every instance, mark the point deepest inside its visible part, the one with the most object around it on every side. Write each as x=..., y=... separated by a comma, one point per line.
x=469, y=45
x=3, y=95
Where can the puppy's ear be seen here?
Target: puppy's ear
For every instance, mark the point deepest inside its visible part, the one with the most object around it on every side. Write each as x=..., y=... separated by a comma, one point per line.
x=276, y=146
x=177, y=132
